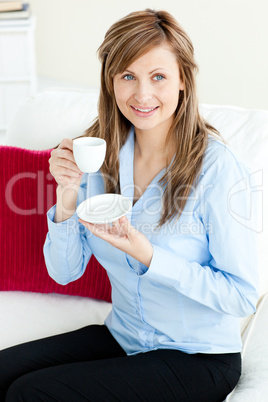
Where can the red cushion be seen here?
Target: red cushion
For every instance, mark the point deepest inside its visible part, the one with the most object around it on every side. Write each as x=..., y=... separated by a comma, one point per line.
x=27, y=191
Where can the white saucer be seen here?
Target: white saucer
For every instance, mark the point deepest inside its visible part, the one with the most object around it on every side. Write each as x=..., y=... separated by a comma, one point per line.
x=104, y=208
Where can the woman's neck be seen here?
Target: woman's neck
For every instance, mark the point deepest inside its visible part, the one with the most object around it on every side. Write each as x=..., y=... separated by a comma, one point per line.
x=152, y=148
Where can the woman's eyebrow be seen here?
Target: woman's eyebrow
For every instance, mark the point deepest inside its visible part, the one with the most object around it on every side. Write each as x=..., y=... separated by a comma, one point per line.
x=151, y=72
x=158, y=68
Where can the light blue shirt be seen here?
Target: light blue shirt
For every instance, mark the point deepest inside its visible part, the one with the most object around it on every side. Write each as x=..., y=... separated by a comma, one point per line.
x=203, y=274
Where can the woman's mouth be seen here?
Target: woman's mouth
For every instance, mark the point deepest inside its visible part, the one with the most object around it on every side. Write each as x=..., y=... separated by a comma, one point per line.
x=144, y=111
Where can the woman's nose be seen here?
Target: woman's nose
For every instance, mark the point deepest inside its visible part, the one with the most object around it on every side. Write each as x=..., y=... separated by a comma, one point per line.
x=143, y=93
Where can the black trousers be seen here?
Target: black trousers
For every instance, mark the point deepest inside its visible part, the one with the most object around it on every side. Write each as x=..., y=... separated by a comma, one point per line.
x=89, y=365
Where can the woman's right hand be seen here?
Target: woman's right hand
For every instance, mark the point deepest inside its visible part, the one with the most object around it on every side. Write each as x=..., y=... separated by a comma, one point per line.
x=62, y=165
x=63, y=168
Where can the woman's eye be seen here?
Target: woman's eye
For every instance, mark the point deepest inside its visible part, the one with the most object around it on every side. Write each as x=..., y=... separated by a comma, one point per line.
x=128, y=77
x=158, y=77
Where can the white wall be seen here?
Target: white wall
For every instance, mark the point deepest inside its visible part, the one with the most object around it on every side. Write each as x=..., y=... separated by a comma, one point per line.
x=230, y=39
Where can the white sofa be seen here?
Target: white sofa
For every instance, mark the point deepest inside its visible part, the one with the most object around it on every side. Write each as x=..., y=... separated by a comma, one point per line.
x=40, y=123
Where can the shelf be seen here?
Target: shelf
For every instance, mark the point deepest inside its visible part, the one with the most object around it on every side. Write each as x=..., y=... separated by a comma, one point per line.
x=17, y=67
x=17, y=25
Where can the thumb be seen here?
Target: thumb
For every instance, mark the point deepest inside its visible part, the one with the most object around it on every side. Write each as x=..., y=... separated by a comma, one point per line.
x=127, y=228
x=124, y=223
x=123, y=219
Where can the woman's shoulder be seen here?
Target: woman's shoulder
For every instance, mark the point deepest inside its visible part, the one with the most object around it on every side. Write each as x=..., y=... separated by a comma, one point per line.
x=220, y=157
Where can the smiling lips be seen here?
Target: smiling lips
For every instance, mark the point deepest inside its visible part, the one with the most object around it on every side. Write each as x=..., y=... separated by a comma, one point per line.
x=149, y=111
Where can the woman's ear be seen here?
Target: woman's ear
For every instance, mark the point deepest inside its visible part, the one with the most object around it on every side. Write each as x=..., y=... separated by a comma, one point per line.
x=182, y=86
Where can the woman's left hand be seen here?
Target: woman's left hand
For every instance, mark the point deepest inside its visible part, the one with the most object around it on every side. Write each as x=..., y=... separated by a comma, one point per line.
x=125, y=237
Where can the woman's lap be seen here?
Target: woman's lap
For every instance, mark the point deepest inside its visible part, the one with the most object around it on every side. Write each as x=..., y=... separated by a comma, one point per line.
x=160, y=375
x=88, y=343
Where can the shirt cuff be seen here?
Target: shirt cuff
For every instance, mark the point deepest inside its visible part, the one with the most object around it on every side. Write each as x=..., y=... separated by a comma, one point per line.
x=165, y=267
x=71, y=225
x=137, y=266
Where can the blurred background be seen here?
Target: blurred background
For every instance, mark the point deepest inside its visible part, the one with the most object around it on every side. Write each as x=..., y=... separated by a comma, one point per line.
x=230, y=40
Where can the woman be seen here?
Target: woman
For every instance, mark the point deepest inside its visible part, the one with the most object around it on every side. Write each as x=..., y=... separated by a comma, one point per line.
x=182, y=268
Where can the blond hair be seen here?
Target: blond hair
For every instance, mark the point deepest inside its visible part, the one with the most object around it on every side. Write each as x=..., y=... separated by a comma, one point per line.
x=125, y=41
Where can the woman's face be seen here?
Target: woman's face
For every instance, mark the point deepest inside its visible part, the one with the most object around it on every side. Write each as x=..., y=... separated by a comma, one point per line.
x=147, y=92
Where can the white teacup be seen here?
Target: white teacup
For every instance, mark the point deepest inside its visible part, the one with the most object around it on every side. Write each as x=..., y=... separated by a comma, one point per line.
x=89, y=153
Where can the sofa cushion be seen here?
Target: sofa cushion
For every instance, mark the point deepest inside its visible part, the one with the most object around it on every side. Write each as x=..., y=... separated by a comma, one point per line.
x=43, y=120
x=28, y=316
x=27, y=192
x=253, y=384
x=246, y=131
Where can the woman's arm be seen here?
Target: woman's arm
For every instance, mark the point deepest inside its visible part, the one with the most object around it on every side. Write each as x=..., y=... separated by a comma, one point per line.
x=228, y=282
x=66, y=249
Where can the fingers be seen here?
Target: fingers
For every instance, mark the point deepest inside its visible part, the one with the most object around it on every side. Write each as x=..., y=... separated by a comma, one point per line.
x=66, y=143
x=62, y=165
x=65, y=158
x=119, y=228
x=99, y=230
x=126, y=228
x=106, y=232
x=122, y=235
